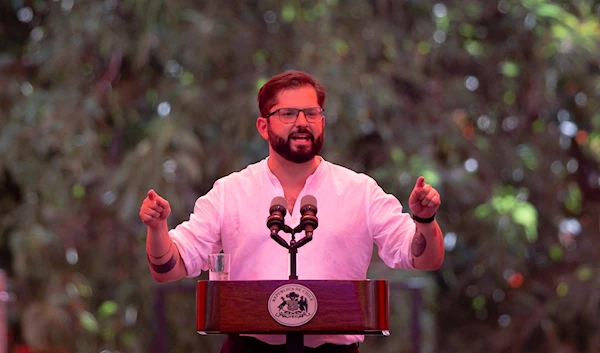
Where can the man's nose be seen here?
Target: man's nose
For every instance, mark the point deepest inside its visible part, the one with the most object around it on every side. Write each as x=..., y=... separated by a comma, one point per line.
x=301, y=119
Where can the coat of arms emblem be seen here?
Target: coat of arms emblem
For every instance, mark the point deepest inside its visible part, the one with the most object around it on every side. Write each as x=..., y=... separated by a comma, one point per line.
x=292, y=305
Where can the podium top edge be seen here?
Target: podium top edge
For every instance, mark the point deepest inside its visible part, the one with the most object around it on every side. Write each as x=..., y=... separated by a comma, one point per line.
x=300, y=280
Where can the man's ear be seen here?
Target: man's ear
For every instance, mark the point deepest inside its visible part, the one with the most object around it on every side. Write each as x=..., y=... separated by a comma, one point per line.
x=262, y=125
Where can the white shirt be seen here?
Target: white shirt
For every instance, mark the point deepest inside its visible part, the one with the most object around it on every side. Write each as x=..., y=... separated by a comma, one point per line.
x=353, y=212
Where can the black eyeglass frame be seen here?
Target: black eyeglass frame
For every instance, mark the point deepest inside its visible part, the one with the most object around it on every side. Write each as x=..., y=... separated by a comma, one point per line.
x=298, y=110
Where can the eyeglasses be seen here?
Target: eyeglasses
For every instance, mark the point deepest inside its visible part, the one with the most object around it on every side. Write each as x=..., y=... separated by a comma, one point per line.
x=289, y=115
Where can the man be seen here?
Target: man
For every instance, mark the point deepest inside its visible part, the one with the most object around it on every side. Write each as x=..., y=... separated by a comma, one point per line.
x=354, y=212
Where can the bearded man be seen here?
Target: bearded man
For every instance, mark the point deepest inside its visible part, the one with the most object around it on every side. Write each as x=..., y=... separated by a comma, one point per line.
x=354, y=214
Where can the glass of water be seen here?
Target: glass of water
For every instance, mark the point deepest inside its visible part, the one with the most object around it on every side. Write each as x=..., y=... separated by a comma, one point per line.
x=218, y=267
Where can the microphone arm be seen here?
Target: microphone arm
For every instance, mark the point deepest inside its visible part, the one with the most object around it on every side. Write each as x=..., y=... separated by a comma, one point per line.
x=275, y=236
x=303, y=241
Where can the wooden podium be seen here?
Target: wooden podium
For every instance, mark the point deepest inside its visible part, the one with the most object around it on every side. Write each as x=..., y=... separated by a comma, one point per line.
x=342, y=307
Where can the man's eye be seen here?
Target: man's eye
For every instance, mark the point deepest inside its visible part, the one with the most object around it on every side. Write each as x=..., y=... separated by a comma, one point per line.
x=288, y=114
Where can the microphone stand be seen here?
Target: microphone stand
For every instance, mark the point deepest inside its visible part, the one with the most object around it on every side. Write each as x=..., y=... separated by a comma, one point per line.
x=294, y=341
x=292, y=246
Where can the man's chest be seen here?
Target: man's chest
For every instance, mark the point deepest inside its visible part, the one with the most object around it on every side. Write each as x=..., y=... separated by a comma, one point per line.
x=340, y=219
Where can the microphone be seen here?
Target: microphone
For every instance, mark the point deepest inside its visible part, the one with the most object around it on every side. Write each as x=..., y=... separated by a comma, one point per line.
x=275, y=221
x=308, y=209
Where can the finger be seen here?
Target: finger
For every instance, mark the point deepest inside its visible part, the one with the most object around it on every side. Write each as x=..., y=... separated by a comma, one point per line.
x=435, y=202
x=425, y=201
x=153, y=196
x=154, y=206
x=420, y=182
x=151, y=213
x=423, y=192
x=431, y=197
x=162, y=203
x=431, y=194
x=146, y=219
x=427, y=194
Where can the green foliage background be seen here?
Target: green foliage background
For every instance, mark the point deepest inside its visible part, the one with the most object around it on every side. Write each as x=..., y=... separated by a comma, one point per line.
x=494, y=102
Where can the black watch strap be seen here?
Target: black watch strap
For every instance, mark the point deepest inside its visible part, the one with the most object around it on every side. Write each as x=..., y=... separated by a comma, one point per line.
x=424, y=220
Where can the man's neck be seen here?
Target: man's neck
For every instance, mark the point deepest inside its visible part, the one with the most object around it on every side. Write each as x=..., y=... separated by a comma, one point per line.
x=292, y=174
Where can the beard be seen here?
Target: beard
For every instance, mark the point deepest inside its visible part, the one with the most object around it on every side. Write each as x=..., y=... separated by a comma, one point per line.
x=301, y=154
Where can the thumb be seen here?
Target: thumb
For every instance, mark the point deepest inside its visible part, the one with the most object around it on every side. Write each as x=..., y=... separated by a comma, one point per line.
x=152, y=195
x=420, y=182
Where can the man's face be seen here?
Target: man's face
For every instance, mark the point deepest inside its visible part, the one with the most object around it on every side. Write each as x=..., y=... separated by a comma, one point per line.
x=301, y=141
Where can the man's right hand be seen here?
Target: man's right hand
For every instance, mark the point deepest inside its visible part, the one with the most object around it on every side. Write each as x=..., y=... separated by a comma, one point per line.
x=154, y=210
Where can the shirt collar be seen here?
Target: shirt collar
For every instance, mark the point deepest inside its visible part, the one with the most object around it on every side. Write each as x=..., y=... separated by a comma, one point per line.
x=319, y=171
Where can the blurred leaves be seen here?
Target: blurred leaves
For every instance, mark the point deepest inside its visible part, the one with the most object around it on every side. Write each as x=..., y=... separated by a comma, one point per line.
x=573, y=199
x=566, y=27
x=510, y=69
x=508, y=201
x=108, y=308
x=88, y=321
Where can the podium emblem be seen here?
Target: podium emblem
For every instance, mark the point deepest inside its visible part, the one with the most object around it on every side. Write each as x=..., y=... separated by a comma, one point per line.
x=292, y=305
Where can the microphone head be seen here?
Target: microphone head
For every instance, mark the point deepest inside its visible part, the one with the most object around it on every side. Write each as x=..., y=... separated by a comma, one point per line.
x=308, y=202
x=278, y=204
x=279, y=201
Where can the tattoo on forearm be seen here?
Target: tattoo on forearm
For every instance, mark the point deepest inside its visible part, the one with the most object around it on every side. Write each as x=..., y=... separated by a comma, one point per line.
x=418, y=245
x=164, y=268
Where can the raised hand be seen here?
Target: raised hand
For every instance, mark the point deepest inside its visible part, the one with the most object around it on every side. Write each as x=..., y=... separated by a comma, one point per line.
x=154, y=210
x=424, y=200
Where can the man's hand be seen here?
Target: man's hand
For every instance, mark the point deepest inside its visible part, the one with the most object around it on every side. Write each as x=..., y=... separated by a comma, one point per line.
x=154, y=210
x=424, y=200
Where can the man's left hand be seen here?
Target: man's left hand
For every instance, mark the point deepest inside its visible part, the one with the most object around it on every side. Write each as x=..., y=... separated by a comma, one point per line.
x=424, y=200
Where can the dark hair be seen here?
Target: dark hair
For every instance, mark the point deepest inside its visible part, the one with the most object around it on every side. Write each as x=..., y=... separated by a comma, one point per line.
x=267, y=96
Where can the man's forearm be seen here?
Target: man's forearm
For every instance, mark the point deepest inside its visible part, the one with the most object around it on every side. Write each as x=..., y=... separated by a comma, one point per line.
x=163, y=256
x=427, y=247
x=158, y=242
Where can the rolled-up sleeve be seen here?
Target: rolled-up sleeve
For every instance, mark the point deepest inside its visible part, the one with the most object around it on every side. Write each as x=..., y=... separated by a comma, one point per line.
x=200, y=235
x=391, y=229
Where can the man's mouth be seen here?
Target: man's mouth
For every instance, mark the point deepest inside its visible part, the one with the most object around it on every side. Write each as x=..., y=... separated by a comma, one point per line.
x=301, y=137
